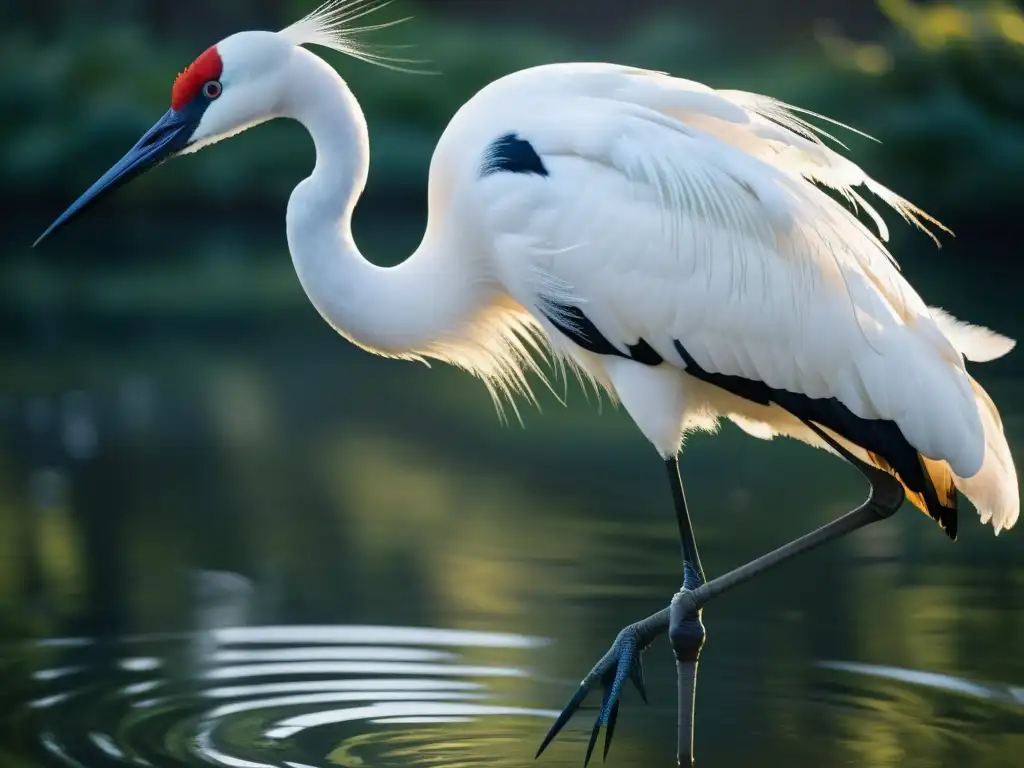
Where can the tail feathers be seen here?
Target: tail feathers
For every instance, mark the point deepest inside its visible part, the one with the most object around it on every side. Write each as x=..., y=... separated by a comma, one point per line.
x=993, y=489
x=939, y=500
x=937, y=496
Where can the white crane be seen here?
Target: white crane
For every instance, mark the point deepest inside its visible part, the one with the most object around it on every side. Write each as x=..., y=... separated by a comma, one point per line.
x=667, y=241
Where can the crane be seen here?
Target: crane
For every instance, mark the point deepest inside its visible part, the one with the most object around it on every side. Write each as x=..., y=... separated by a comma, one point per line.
x=670, y=243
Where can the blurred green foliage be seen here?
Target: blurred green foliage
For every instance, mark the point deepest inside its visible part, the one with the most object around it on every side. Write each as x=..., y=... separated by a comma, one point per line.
x=76, y=102
x=941, y=90
x=938, y=87
x=943, y=95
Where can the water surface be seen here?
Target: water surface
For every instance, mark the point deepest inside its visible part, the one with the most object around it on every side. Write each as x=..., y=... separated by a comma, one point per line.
x=229, y=538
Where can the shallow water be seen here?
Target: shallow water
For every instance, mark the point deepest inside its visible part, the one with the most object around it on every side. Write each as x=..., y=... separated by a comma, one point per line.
x=258, y=546
x=353, y=695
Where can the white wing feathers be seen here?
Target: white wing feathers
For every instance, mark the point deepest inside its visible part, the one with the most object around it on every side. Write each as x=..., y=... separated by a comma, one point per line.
x=676, y=213
x=975, y=342
x=761, y=126
x=780, y=137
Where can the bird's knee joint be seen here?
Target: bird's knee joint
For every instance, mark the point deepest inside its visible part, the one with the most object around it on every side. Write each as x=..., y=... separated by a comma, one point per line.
x=686, y=631
x=687, y=639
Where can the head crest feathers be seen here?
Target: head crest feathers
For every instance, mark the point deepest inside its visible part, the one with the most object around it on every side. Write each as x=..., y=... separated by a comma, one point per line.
x=330, y=26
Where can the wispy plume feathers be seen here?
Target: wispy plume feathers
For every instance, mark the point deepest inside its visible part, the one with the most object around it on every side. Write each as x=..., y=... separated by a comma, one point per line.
x=332, y=26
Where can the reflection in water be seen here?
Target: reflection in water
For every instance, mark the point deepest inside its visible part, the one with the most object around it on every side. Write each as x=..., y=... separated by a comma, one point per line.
x=332, y=698
x=318, y=668
x=355, y=684
x=205, y=485
x=995, y=692
x=318, y=653
x=376, y=635
x=303, y=678
x=293, y=725
x=313, y=696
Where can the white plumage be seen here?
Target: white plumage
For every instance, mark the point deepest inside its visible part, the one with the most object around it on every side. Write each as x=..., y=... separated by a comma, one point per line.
x=650, y=231
x=674, y=212
x=670, y=243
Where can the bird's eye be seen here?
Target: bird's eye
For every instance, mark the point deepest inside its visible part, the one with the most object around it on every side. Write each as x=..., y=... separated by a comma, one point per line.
x=212, y=89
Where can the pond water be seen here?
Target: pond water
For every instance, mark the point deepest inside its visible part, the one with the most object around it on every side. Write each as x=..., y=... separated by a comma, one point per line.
x=242, y=542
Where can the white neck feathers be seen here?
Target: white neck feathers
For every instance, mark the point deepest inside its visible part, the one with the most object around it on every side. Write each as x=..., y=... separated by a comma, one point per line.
x=441, y=302
x=400, y=311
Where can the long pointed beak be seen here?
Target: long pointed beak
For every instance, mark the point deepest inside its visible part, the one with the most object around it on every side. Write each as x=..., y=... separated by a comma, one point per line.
x=170, y=135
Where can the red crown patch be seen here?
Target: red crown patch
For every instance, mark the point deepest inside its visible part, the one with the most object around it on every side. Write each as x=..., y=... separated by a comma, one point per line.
x=186, y=85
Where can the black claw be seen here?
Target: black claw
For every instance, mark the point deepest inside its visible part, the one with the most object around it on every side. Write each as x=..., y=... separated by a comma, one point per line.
x=621, y=663
x=568, y=712
x=610, y=730
x=593, y=740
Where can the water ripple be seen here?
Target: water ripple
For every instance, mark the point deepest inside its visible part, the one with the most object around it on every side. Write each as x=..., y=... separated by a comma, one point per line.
x=351, y=696
x=998, y=692
x=263, y=697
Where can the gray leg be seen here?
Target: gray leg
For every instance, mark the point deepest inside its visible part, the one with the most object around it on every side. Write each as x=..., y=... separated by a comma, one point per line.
x=682, y=618
x=684, y=612
x=686, y=631
x=623, y=661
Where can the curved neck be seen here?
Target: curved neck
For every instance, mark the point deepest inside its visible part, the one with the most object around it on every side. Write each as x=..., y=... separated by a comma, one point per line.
x=400, y=311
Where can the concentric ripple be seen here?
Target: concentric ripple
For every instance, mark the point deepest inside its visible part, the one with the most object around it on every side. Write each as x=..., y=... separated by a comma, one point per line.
x=253, y=697
x=383, y=697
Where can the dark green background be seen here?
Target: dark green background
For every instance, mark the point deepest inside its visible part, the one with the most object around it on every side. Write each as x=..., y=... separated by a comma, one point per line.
x=186, y=445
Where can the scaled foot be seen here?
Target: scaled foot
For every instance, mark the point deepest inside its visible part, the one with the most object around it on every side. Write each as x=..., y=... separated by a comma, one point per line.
x=622, y=662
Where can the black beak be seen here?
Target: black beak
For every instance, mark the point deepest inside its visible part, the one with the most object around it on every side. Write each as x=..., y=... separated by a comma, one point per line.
x=170, y=135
